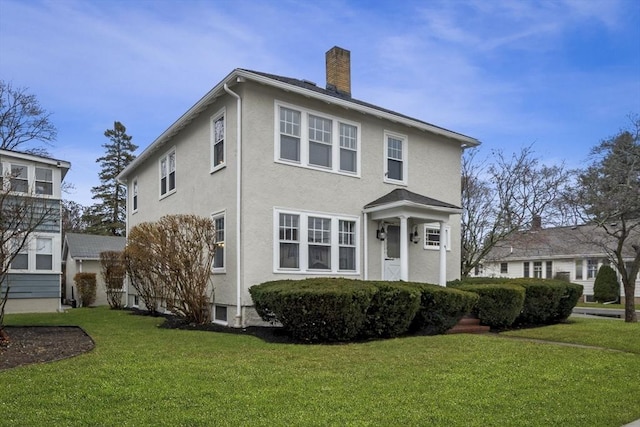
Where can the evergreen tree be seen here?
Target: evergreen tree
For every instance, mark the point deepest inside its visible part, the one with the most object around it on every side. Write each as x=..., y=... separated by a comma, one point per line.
x=108, y=216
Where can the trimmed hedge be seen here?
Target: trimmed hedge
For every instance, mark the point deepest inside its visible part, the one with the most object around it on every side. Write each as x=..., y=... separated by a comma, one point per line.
x=547, y=301
x=336, y=309
x=86, y=285
x=441, y=308
x=499, y=304
x=315, y=310
x=392, y=309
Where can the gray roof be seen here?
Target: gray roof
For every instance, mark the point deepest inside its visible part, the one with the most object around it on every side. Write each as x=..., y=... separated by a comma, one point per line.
x=559, y=242
x=402, y=194
x=89, y=246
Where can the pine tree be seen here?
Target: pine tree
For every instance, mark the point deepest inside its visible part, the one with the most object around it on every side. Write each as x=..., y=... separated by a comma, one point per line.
x=108, y=216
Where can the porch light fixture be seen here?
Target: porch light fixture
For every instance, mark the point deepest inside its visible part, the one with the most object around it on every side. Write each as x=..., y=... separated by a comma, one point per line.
x=381, y=234
x=414, y=236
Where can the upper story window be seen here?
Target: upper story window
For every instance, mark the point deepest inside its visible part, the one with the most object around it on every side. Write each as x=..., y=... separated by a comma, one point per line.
x=19, y=178
x=44, y=181
x=218, y=259
x=316, y=140
x=218, y=136
x=21, y=258
x=315, y=243
x=168, y=173
x=432, y=236
x=395, y=164
x=44, y=253
x=35, y=255
x=134, y=195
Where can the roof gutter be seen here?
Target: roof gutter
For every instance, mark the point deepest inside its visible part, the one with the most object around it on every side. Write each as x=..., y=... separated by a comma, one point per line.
x=238, y=318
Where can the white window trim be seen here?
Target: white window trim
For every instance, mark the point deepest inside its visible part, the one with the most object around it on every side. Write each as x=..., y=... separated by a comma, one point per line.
x=436, y=226
x=31, y=178
x=304, y=140
x=135, y=192
x=220, y=322
x=405, y=158
x=30, y=248
x=303, y=243
x=166, y=156
x=221, y=113
x=221, y=214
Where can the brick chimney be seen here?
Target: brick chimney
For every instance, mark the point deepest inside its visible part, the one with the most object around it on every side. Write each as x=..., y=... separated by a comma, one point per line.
x=339, y=70
x=536, y=223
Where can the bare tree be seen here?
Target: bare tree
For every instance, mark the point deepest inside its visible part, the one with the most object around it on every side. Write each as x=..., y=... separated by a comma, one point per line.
x=113, y=273
x=608, y=196
x=21, y=215
x=24, y=124
x=503, y=197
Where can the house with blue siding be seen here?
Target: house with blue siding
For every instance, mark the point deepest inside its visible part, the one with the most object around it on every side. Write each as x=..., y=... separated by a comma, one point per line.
x=30, y=208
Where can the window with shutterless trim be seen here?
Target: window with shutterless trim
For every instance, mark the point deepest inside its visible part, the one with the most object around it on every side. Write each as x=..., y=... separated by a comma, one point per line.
x=134, y=195
x=395, y=164
x=316, y=140
x=219, y=256
x=218, y=137
x=168, y=173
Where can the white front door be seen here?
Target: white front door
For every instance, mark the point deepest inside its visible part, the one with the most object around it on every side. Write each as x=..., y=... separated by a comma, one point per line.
x=391, y=261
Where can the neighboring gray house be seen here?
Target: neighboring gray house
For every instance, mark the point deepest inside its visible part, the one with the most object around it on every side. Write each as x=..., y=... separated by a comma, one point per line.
x=573, y=253
x=34, y=274
x=304, y=181
x=81, y=254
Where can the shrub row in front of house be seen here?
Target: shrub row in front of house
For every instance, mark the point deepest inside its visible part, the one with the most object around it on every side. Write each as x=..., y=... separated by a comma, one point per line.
x=337, y=309
x=506, y=302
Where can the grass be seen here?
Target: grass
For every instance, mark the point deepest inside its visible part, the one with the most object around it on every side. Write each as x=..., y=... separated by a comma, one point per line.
x=600, y=305
x=139, y=374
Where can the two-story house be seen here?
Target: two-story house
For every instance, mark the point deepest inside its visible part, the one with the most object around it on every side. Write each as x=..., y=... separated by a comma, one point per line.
x=304, y=181
x=31, y=222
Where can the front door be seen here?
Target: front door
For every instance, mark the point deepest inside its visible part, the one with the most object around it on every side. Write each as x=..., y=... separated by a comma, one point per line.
x=392, y=254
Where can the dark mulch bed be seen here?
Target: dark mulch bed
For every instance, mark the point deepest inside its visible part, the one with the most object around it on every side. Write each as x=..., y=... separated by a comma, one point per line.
x=37, y=344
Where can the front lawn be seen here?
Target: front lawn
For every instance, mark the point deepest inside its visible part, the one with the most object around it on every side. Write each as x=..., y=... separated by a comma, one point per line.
x=139, y=374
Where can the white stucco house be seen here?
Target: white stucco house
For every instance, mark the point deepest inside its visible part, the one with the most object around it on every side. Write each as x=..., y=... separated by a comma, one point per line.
x=305, y=181
x=32, y=183
x=573, y=253
x=81, y=254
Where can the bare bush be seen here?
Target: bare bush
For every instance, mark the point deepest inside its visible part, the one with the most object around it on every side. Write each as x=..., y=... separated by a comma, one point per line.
x=113, y=273
x=86, y=285
x=171, y=260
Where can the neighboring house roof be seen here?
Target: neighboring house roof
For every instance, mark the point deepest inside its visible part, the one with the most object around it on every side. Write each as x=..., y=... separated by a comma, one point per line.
x=558, y=242
x=62, y=164
x=404, y=195
x=303, y=87
x=89, y=246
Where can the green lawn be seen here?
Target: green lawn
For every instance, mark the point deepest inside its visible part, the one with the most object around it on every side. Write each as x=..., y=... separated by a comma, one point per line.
x=139, y=374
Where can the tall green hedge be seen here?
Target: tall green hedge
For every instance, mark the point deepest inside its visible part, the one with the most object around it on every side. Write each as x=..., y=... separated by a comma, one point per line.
x=499, y=305
x=547, y=301
x=392, y=309
x=441, y=308
x=606, y=288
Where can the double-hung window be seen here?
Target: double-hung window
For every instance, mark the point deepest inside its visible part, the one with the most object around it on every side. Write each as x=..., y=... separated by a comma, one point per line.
x=289, y=134
x=526, y=269
x=44, y=253
x=316, y=140
x=579, y=269
x=315, y=243
x=537, y=269
x=504, y=268
x=592, y=268
x=44, y=181
x=134, y=195
x=217, y=141
x=549, y=269
x=395, y=165
x=168, y=173
x=218, y=258
x=432, y=236
x=21, y=258
x=19, y=178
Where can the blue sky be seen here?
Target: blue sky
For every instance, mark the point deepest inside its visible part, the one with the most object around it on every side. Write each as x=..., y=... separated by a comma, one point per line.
x=561, y=75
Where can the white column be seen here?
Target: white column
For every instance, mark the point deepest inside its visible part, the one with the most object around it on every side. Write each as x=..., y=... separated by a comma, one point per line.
x=365, y=244
x=404, y=249
x=442, y=281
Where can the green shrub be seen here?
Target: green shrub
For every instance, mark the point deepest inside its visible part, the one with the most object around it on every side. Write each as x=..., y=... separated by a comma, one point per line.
x=316, y=310
x=392, y=309
x=543, y=302
x=571, y=296
x=499, y=304
x=86, y=285
x=606, y=288
x=441, y=308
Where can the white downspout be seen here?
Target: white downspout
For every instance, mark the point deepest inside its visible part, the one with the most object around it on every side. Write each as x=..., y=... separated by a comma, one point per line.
x=238, y=319
x=366, y=247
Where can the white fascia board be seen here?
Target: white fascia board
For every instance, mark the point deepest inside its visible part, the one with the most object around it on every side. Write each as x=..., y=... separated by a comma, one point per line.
x=409, y=204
